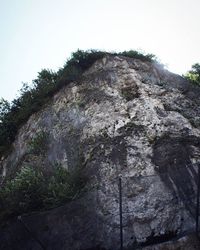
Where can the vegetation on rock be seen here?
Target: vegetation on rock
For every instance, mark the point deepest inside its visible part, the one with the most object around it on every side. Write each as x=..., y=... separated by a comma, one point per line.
x=32, y=189
x=39, y=144
x=13, y=115
x=194, y=74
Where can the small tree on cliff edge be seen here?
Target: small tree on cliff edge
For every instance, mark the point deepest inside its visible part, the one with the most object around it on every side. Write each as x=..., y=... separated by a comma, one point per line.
x=194, y=74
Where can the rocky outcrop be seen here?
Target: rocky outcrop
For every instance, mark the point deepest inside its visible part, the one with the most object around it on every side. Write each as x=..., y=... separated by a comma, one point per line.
x=125, y=118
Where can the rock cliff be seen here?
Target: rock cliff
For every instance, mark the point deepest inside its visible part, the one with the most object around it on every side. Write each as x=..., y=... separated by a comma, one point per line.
x=125, y=118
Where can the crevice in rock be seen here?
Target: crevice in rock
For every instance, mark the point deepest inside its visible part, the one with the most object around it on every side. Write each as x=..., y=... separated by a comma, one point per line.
x=156, y=239
x=94, y=248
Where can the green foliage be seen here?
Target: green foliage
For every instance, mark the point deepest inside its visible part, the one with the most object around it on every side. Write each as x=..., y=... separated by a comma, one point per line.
x=7, y=128
x=138, y=55
x=77, y=64
x=4, y=108
x=32, y=189
x=85, y=59
x=23, y=192
x=64, y=186
x=39, y=144
x=13, y=115
x=194, y=74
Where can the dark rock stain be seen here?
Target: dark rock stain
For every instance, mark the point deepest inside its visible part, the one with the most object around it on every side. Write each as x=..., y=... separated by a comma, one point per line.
x=172, y=157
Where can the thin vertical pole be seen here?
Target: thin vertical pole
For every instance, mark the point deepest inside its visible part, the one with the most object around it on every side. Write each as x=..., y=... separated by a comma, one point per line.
x=120, y=213
x=197, y=205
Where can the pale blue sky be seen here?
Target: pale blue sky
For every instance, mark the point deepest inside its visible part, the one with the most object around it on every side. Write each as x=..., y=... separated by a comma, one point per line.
x=37, y=34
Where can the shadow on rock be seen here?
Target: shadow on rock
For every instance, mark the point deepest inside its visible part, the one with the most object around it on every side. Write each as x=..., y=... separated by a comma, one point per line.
x=172, y=155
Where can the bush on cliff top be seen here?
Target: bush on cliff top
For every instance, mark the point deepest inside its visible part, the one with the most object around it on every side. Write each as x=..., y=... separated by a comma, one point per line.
x=13, y=115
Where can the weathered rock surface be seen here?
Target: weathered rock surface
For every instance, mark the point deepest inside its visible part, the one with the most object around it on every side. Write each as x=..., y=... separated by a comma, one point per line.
x=127, y=118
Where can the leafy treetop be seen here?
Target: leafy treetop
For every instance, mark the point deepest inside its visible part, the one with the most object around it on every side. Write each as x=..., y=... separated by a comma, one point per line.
x=194, y=74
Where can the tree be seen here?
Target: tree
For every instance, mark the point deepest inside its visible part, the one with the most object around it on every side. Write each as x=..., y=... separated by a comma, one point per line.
x=4, y=108
x=194, y=74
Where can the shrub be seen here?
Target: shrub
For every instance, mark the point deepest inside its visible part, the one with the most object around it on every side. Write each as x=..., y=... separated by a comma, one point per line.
x=32, y=190
x=64, y=186
x=4, y=109
x=138, y=55
x=39, y=144
x=194, y=74
x=24, y=191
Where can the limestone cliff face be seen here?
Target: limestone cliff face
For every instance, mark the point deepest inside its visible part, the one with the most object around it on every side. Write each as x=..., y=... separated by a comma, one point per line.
x=127, y=118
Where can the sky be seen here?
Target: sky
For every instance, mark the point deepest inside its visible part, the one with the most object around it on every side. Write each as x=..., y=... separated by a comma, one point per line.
x=42, y=34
